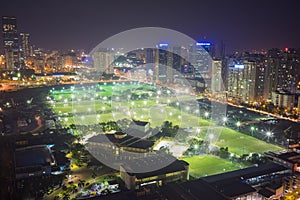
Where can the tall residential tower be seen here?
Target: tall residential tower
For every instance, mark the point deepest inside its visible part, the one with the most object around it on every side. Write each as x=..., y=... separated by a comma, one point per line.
x=10, y=42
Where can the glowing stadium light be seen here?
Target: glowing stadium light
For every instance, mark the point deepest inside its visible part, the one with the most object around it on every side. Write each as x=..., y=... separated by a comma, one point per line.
x=206, y=114
x=269, y=133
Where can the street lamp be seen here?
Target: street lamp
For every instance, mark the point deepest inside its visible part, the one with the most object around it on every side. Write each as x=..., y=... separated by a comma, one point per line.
x=238, y=124
x=252, y=129
x=224, y=120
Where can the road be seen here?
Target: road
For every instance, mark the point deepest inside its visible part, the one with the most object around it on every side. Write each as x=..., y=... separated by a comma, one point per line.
x=82, y=173
x=264, y=112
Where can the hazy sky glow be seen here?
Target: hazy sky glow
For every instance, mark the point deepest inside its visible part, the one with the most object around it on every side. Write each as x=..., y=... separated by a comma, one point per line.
x=242, y=25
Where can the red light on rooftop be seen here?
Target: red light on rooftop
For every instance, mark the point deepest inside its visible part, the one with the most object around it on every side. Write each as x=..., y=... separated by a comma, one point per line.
x=286, y=49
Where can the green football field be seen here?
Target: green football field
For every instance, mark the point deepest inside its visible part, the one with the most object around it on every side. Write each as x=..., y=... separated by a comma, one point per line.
x=244, y=144
x=94, y=105
x=237, y=142
x=206, y=165
x=109, y=103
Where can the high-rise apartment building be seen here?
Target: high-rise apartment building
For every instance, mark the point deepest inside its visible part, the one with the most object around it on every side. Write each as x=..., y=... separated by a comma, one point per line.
x=24, y=45
x=284, y=66
x=10, y=42
x=163, y=63
x=103, y=60
x=241, y=82
x=216, y=80
x=261, y=79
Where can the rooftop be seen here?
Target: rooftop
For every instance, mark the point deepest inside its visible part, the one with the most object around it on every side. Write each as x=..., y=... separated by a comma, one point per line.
x=196, y=189
x=126, y=141
x=233, y=187
x=156, y=161
x=33, y=156
x=266, y=193
x=292, y=157
x=139, y=123
x=246, y=173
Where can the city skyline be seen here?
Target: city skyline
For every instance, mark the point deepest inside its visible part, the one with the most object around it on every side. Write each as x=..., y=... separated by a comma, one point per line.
x=149, y=100
x=242, y=26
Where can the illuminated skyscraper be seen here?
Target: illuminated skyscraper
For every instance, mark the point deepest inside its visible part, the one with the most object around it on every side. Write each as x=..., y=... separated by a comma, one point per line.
x=149, y=55
x=201, y=59
x=284, y=69
x=10, y=42
x=163, y=63
x=25, y=45
x=103, y=60
x=216, y=80
x=241, y=82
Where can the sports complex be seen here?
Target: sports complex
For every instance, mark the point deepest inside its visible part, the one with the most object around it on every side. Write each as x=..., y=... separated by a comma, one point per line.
x=93, y=104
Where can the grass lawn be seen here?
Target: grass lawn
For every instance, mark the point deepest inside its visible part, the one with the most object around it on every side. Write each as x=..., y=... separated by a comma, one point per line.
x=155, y=110
x=206, y=165
x=244, y=144
x=240, y=143
x=144, y=110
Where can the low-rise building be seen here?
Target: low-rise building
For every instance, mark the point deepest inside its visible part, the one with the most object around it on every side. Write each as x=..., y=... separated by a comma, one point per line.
x=290, y=160
x=119, y=142
x=134, y=178
x=33, y=161
x=283, y=98
x=39, y=160
x=118, y=148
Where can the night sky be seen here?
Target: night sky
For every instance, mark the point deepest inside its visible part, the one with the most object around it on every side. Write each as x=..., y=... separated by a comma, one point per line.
x=82, y=24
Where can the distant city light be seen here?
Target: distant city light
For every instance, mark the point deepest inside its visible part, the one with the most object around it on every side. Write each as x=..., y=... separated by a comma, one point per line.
x=239, y=66
x=203, y=44
x=163, y=45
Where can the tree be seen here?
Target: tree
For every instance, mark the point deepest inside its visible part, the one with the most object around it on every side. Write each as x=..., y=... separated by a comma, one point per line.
x=94, y=175
x=81, y=183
